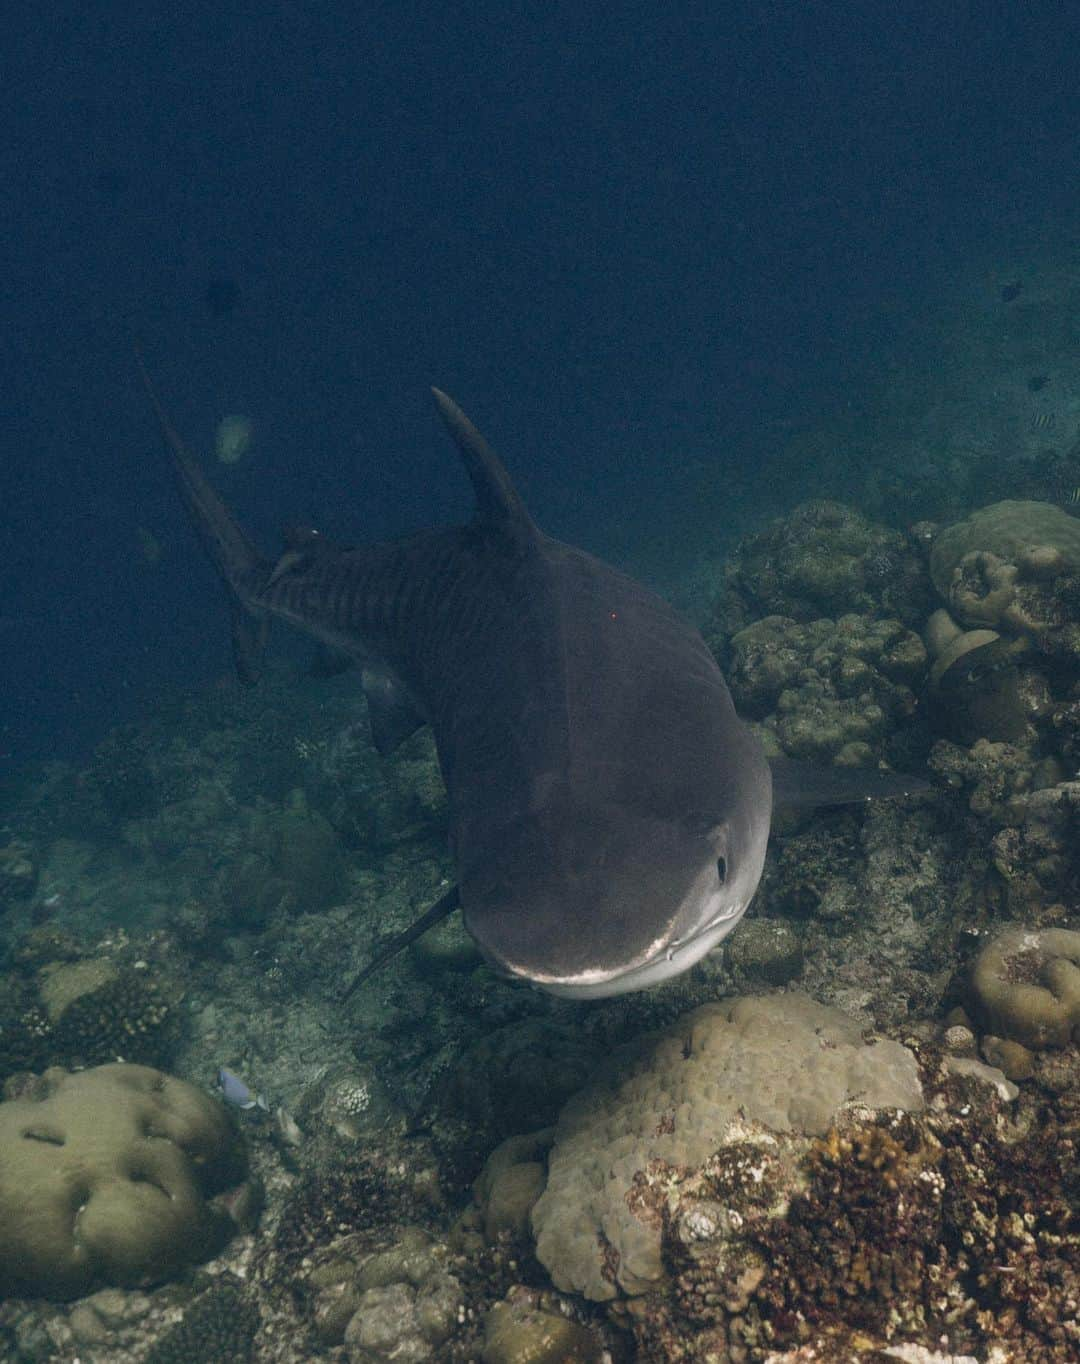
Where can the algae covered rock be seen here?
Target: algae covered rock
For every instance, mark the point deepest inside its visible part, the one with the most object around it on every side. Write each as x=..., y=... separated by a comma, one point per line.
x=105, y=1179
x=779, y=1063
x=516, y=1078
x=828, y=690
x=220, y=1326
x=824, y=559
x=765, y=952
x=293, y=862
x=975, y=683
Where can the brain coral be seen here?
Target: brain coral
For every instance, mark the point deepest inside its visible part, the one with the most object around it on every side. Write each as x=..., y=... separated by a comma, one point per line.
x=1026, y=986
x=781, y=1061
x=104, y=1179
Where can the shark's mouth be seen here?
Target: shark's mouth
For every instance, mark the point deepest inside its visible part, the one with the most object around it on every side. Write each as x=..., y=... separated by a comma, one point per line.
x=663, y=959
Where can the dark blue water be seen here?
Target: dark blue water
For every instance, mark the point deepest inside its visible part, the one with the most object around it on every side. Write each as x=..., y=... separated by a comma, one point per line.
x=627, y=239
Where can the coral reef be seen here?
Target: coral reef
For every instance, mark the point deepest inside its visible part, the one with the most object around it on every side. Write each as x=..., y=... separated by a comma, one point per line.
x=718, y=1191
x=86, y=1199
x=123, y=775
x=951, y=1227
x=18, y=873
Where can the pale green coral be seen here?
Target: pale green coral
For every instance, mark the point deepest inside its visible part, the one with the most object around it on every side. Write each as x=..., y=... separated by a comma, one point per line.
x=824, y=559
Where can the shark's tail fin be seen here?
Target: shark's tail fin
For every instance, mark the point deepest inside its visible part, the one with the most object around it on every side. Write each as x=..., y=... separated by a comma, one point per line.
x=240, y=566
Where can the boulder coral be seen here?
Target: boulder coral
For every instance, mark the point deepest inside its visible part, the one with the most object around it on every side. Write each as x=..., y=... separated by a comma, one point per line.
x=522, y=1330
x=755, y=1066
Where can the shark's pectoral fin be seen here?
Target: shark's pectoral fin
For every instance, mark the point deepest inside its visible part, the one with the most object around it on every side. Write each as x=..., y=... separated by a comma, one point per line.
x=443, y=907
x=796, y=783
x=392, y=712
x=248, y=644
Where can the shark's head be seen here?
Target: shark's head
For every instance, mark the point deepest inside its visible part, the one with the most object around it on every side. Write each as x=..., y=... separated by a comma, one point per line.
x=591, y=902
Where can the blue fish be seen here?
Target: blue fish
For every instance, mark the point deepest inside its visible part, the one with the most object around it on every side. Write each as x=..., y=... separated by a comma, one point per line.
x=235, y=1092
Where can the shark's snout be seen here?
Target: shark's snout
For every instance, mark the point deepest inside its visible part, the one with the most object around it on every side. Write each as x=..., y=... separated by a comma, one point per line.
x=588, y=905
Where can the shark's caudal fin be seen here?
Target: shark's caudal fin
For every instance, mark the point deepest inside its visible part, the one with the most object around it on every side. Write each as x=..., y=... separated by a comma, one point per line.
x=240, y=566
x=796, y=783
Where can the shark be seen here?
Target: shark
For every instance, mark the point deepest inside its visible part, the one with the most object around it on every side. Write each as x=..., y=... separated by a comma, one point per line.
x=609, y=811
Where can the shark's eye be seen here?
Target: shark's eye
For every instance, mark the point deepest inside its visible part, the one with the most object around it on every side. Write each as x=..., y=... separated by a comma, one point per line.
x=721, y=869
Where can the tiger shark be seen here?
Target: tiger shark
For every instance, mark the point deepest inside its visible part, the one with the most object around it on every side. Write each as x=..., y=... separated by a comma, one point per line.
x=609, y=811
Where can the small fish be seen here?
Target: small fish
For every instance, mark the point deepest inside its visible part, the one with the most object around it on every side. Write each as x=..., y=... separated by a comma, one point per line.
x=149, y=545
x=1043, y=421
x=235, y=1092
x=287, y=1128
x=1071, y=496
x=233, y=438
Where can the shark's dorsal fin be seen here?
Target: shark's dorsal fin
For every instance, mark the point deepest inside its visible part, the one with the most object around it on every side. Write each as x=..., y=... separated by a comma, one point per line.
x=497, y=502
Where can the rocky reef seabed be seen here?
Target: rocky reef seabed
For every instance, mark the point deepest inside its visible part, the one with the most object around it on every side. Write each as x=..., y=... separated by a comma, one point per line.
x=851, y=1135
